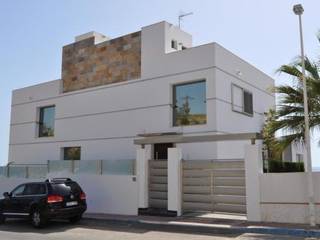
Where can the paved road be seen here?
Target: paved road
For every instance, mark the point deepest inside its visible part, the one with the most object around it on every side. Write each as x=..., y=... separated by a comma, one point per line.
x=93, y=230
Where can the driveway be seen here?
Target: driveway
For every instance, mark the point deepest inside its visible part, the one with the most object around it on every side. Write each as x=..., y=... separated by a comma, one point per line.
x=99, y=230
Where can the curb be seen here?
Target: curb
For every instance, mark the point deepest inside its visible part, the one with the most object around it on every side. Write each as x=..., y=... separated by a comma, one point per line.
x=208, y=228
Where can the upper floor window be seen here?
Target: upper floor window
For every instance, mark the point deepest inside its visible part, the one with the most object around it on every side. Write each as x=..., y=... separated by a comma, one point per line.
x=189, y=103
x=46, y=121
x=174, y=44
x=242, y=100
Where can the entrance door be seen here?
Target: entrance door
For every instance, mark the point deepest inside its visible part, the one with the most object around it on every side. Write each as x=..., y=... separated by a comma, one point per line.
x=158, y=179
x=160, y=150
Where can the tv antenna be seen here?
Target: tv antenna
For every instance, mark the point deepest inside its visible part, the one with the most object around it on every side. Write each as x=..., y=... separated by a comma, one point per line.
x=182, y=15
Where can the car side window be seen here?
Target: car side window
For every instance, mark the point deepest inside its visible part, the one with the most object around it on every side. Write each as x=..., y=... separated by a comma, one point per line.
x=34, y=189
x=18, y=191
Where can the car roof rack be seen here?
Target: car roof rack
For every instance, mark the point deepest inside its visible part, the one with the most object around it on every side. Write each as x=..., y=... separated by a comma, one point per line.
x=58, y=180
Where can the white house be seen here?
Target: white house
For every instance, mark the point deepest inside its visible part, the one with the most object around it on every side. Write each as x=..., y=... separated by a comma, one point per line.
x=150, y=81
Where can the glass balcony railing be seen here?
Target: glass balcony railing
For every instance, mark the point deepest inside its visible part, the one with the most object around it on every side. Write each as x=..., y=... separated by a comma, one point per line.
x=18, y=172
x=37, y=172
x=95, y=167
x=118, y=167
x=3, y=171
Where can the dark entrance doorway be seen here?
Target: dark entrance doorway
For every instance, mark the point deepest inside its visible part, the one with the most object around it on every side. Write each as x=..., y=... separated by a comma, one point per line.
x=160, y=150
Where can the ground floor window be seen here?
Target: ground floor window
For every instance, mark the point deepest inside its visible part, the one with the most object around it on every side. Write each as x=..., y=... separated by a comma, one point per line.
x=71, y=153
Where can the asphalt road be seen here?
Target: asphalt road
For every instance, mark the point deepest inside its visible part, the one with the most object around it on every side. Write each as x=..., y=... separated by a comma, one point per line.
x=99, y=230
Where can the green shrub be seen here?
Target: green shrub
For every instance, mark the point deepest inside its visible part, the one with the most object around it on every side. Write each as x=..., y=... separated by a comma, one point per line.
x=275, y=166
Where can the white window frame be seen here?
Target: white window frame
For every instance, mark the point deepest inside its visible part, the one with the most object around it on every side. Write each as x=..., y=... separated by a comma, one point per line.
x=233, y=103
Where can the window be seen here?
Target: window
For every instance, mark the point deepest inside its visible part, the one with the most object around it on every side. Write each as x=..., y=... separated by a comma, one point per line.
x=65, y=188
x=18, y=191
x=72, y=153
x=35, y=189
x=174, y=44
x=242, y=100
x=299, y=157
x=189, y=103
x=46, y=121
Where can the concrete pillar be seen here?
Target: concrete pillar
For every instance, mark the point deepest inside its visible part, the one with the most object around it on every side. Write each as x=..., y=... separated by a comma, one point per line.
x=175, y=180
x=253, y=167
x=142, y=177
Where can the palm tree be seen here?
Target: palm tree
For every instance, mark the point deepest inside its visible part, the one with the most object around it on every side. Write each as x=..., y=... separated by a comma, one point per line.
x=289, y=115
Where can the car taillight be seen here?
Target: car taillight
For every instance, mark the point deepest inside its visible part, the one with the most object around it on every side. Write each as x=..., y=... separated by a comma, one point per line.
x=54, y=199
x=83, y=196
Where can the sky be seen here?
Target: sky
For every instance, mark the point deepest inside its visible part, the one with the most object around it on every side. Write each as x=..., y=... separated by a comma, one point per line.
x=32, y=33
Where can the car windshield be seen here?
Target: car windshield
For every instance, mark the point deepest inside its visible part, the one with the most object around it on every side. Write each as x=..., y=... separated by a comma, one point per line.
x=66, y=188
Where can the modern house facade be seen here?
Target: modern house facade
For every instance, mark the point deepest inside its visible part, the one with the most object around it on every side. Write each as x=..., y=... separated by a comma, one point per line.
x=150, y=81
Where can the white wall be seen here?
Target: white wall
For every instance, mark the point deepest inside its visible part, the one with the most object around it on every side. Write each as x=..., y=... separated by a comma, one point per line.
x=105, y=193
x=284, y=197
x=104, y=120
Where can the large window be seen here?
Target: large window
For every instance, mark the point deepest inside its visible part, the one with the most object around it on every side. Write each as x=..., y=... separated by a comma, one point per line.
x=189, y=103
x=72, y=153
x=46, y=121
x=242, y=100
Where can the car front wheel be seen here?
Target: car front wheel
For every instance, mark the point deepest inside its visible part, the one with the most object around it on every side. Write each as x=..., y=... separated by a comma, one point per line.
x=2, y=218
x=37, y=219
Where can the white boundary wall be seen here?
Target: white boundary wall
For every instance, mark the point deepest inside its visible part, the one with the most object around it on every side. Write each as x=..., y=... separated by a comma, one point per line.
x=277, y=197
x=284, y=197
x=110, y=194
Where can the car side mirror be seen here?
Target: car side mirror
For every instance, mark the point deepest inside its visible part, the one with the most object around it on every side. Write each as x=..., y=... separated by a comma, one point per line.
x=6, y=195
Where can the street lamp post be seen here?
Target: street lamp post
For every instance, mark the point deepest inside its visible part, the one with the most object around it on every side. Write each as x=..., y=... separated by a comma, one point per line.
x=298, y=10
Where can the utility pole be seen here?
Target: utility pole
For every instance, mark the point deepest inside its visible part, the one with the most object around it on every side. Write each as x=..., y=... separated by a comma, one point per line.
x=298, y=10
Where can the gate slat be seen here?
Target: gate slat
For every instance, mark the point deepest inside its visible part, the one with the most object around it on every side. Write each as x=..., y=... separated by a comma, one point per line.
x=203, y=198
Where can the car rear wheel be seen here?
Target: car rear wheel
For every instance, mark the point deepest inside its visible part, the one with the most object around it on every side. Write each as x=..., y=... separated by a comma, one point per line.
x=37, y=219
x=75, y=219
x=2, y=218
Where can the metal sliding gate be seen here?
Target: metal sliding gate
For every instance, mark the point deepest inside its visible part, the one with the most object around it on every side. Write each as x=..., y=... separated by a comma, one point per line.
x=214, y=186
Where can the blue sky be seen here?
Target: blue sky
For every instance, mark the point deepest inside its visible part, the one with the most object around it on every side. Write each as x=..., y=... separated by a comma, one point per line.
x=264, y=32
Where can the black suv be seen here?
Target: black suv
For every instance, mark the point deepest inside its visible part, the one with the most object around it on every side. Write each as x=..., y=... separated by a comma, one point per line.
x=58, y=198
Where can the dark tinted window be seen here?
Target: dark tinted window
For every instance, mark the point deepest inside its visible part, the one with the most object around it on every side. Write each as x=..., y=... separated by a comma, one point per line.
x=35, y=189
x=248, y=103
x=18, y=191
x=174, y=44
x=66, y=188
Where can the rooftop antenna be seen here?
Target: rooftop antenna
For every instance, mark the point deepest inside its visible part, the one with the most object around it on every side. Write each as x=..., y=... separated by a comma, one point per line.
x=182, y=15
